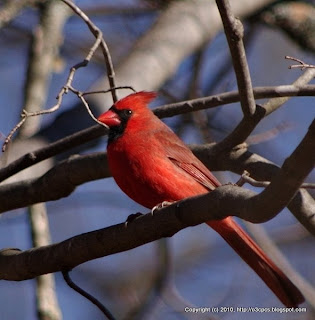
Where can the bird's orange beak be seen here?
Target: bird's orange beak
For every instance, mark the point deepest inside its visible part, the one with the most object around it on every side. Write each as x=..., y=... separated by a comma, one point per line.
x=110, y=118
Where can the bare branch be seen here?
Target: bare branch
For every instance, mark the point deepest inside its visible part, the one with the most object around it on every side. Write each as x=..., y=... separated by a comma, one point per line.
x=12, y=132
x=86, y=295
x=109, y=65
x=58, y=182
x=51, y=150
x=239, y=159
x=234, y=32
x=262, y=238
x=274, y=104
x=291, y=176
x=25, y=114
x=245, y=178
x=85, y=103
x=98, y=34
x=153, y=52
x=19, y=265
x=302, y=65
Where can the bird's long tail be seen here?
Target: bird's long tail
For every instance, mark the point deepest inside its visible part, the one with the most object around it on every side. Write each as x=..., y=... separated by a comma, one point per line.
x=249, y=251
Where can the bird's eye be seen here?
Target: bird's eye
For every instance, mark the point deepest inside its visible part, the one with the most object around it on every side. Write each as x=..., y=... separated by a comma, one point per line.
x=128, y=112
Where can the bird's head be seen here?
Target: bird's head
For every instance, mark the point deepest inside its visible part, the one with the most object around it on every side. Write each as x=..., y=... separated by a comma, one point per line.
x=132, y=111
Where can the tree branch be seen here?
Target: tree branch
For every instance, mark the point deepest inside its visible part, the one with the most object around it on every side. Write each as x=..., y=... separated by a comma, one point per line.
x=273, y=104
x=291, y=175
x=234, y=32
x=21, y=265
x=99, y=41
x=97, y=32
x=58, y=182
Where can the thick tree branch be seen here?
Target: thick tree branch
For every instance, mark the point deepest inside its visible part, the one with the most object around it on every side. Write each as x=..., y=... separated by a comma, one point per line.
x=292, y=174
x=19, y=265
x=51, y=150
x=58, y=182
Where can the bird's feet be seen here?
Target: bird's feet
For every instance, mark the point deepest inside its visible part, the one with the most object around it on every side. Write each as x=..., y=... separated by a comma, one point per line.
x=161, y=205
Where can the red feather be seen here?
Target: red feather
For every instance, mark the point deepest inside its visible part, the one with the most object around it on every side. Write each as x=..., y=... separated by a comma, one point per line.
x=151, y=165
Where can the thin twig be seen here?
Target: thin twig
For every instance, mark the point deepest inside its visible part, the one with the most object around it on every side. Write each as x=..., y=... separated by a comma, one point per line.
x=245, y=178
x=108, y=90
x=302, y=65
x=25, y=114
x=96, y=32
x=86, y=295
x=9, y=136
x=275, y=103
x=85, y=103
x=110, y=72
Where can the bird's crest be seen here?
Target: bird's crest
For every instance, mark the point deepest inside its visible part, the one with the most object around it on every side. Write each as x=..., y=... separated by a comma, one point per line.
x=136, y=100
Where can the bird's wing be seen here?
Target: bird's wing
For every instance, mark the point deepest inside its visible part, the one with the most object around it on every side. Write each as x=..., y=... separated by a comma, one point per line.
x=182, y=157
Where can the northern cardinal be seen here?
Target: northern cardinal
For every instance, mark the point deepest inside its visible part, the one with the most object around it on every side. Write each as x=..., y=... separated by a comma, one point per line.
x=152, y=165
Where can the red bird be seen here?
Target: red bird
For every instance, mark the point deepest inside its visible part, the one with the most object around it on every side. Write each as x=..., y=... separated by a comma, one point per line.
x=152, y=165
